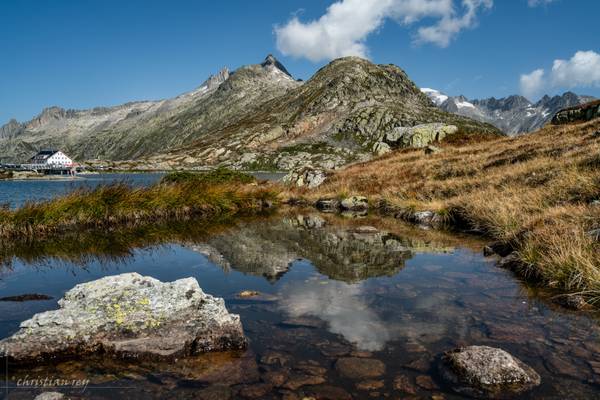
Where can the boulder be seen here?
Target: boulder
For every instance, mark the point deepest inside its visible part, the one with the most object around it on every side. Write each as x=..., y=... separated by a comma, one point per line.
x=419, y=136
x=355, y=203
x=128, y=316
x=381, y=148
x=579, y=113
x=327, y=205
x=483, y=371
x=306, y=177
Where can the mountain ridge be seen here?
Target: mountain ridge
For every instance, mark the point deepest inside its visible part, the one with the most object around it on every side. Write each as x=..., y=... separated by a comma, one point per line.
x=513, y=114
x=255, y=116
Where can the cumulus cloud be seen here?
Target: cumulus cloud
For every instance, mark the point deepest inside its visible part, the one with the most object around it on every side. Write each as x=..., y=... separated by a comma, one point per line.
x=532, y=84
x=581, y=70
x=344, y=28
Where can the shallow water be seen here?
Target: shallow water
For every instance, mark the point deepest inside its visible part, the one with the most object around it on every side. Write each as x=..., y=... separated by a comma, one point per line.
x=399, y=295
x=16, y=193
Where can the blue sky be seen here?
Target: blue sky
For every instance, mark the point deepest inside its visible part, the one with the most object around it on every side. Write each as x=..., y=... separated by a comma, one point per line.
x=84, y=53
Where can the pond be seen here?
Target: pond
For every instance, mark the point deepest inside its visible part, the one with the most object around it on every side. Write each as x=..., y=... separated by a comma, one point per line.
x=369, y=291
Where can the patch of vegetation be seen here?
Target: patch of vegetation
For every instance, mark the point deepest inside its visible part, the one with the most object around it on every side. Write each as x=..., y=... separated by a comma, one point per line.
x=537, y=194
x=182, y=196
x=215, y=177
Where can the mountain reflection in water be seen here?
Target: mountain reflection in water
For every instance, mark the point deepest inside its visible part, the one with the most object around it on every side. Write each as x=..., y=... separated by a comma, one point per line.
x=330, y=288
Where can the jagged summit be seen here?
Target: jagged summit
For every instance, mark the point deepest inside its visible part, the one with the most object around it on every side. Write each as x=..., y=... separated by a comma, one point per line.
x=513, y=114
x=214, y=81
x=270, y=60
x=256, y=116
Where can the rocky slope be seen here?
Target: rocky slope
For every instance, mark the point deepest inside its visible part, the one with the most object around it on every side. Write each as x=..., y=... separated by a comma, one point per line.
x=256, y=117
x=512, y=115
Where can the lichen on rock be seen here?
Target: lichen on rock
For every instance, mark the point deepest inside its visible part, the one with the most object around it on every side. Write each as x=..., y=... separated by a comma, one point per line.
x=129, y=316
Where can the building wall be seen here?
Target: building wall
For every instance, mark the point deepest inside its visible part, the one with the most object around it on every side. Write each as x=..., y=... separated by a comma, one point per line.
x=59, y=158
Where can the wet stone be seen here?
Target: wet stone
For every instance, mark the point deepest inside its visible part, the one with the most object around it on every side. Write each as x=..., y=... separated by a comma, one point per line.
x=275, y=358
x=370, y=385
x=487, y=371
x=359, y=368
x=256, y=391
x=215, y=392
x=403, y=384
x=421, y=364
x=425, y=382
x=560, y=366
x=275, y=378
x=327, y=392
x=297, y=380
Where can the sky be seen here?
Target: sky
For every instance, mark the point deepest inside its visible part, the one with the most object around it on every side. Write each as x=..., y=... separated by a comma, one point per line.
x=84, y=53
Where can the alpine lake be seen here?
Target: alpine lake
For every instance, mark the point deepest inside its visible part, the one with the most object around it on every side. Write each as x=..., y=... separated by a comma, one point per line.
x=322, y=288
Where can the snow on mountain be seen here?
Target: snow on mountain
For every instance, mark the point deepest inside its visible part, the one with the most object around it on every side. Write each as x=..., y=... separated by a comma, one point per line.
x=513, y=115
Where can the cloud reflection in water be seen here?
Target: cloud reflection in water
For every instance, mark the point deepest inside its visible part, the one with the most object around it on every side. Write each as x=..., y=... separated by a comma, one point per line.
x=342, y=306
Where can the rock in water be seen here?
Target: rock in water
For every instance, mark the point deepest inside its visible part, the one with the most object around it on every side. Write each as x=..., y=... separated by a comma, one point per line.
x=487, y=371
x=128, y=316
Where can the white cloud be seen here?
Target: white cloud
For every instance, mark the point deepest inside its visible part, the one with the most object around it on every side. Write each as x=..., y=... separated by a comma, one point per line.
x=535, y=3
x=450, y=24
x=345, y=26
x=533, y=83
x=582, y=70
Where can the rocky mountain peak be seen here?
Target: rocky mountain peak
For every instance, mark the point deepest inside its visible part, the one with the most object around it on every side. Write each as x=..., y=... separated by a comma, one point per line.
x=214, y=81
x=271, y=62
x=513, y=114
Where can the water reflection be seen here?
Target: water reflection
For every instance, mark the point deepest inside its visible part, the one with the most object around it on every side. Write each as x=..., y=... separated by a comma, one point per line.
x=342, y=306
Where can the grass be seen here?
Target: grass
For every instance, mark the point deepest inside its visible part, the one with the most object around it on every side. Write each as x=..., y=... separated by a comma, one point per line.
x=178, y=196
x=534, y=193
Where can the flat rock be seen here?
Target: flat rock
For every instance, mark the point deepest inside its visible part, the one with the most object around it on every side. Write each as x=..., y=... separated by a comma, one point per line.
x=486, y=371
x=128, y=316
x=360, y=368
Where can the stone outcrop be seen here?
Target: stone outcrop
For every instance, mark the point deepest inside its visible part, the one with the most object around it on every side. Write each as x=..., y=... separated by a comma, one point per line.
x=582, y=113
x=128, y=316
x=418, y=136
x=483, y=371
x=306, y=177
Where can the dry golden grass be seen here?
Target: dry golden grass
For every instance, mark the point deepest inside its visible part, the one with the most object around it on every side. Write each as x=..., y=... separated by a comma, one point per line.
x=533, y=192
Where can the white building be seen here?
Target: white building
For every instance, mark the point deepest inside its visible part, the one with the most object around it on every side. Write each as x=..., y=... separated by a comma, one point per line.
x=51, y=157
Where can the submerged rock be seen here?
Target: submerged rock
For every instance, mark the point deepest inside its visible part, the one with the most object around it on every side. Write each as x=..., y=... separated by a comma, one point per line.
x=488, y=372
x=26, y=297
x=327, y=205
x=129, y=316
x=572, y=302
x=360, y=368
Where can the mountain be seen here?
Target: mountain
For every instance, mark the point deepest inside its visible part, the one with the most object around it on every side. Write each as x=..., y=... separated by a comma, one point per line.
x=512, y=115
x=257, y=116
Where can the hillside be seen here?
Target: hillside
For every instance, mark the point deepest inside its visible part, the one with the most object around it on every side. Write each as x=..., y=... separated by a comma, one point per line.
x=255, y=117
x=513, y=114
x=537, y=195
